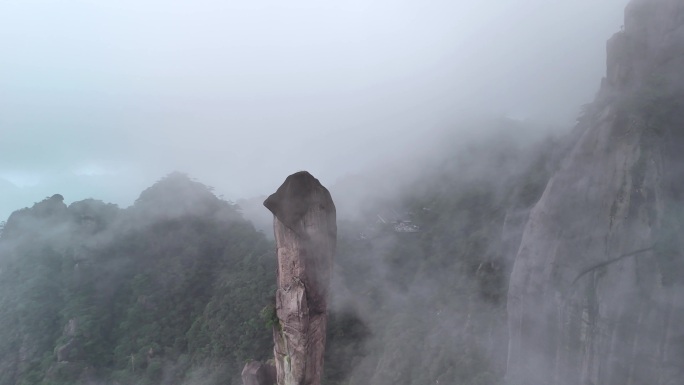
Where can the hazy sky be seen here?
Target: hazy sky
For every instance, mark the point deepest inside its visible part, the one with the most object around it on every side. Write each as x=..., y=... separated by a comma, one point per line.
x=102, y=98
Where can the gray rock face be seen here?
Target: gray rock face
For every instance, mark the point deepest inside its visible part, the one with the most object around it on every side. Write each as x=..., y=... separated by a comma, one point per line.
x=258, y=373
x=306, y=235
x=596, y=294
x=64, y=351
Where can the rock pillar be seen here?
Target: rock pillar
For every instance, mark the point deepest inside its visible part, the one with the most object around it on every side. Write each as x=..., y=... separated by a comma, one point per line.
x=306, y=235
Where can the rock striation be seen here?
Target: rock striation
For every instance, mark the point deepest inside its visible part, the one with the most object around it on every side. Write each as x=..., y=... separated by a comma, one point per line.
x=596, y=295
x=306, y=234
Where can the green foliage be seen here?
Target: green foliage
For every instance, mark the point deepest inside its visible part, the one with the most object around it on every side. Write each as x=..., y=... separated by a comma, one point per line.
x=270, y=316
x=171, y=285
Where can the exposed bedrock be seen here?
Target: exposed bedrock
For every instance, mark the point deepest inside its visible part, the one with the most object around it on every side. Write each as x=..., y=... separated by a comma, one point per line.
x=306, y=235
x=596, y=294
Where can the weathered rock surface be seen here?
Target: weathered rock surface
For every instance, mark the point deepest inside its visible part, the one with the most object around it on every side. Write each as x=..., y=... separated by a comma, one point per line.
x=64, y=351
x=258, y=373
x=306, y=235
x=596, y=295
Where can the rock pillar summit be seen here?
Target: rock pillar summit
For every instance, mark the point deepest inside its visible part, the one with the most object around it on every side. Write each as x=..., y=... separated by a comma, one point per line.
x=306, y=235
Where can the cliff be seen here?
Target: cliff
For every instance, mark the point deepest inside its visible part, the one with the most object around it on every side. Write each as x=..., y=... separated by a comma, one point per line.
x=595, y=295
x=306, y=234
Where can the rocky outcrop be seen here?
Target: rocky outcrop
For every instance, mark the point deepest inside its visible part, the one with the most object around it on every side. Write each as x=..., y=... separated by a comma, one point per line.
x=64, y=352
x=46, y=214
x=258, y=373
x=596, y=295
x=306, y=235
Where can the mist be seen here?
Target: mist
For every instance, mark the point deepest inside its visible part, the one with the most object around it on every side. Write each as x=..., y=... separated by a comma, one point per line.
x=506, y=189
x=101, y=100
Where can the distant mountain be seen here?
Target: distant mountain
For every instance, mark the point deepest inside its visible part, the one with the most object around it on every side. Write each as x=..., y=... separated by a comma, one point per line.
x=168, y=289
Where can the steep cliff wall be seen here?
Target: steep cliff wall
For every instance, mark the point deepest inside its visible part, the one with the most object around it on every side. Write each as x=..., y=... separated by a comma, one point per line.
x=596, y=294
x=306, y=235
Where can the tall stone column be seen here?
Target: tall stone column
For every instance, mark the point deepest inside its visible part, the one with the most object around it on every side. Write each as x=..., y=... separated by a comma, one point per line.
x=306, y=235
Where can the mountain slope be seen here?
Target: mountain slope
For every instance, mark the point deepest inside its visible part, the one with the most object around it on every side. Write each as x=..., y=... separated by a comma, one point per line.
x=595, y=295
x=168, y=289
x=431, y=292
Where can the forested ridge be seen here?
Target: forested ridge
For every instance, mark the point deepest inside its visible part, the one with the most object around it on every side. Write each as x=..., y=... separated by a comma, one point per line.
x=178, y=288
x=148, y=294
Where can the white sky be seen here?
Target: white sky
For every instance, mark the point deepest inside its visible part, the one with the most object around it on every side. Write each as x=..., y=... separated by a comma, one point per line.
x=102, y=98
